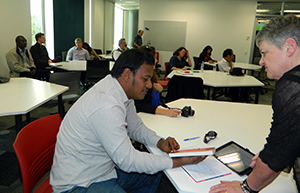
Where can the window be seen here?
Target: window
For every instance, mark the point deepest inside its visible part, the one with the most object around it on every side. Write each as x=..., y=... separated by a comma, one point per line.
x=39, y=18
x=118, y=26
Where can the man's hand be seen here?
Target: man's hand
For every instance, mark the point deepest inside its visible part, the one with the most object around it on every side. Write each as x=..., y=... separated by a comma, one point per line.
x=168, y=145
x=32, y=71
x=180, y=161
x=226, y=186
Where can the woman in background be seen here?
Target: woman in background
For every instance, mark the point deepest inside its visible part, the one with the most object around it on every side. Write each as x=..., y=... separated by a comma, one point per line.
x=205, y=55
x=178, y=60
x=151, y=100
x=92, y=52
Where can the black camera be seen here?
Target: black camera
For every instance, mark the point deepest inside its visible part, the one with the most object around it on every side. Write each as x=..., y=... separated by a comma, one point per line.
x=187, y=111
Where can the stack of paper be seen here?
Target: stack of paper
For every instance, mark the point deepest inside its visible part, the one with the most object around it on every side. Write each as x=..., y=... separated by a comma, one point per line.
x=208, y=169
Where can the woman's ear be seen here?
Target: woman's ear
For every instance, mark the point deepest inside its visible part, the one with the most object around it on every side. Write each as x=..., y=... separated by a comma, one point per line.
x=290, y=46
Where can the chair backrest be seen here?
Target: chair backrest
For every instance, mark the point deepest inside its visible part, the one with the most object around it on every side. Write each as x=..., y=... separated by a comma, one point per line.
x=34, y=147
x=166, y=69
x=64, y=55
x=96, y=70
x=98, y=51
x=70, y=79
x=184, y=87
x=197, y=63
x=217, y=67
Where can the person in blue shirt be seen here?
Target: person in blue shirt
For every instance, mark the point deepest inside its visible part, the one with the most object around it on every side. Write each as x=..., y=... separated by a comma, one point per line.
x=178, y=60
x=78, y=52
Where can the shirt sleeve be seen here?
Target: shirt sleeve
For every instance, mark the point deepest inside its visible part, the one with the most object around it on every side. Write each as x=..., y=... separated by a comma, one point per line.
x=87, y=55
x=283, y=142
x=118, y=125
x=70, y=55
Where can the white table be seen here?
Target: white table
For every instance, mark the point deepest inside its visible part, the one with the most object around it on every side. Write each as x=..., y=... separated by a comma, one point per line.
x=218, y=79
x=106, y=56
x=79, y=65
x=76, y=65
x=246, y=124
x=245, y=66
x=21, y=95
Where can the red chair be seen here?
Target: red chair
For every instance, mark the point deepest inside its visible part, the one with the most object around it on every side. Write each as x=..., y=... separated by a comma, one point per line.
x=34, y=147
x=165, y=81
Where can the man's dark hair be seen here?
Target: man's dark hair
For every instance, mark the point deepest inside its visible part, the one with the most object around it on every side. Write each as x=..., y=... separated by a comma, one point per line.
x=18, y=38
x=227, y=52
x=131, y=59
x=38, y=35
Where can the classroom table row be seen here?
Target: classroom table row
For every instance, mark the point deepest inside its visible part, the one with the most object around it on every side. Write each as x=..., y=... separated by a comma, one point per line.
x=246, y=124
x=19, y=96
x=217, y=79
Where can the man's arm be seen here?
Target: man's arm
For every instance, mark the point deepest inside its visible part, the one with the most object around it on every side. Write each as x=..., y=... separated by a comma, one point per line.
x=87, y=55
x=70, y=54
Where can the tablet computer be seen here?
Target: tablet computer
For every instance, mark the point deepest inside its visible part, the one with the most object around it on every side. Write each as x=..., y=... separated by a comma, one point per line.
x=235, y=157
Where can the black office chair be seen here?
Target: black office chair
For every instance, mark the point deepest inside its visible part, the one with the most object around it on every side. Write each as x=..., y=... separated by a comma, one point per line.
x=96, y=70
x=64, y=55
x=184, y=87
x=98, y=51
x=197, y=63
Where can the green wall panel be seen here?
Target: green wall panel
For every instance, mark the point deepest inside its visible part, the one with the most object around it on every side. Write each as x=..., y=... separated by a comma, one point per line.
x=68, y=23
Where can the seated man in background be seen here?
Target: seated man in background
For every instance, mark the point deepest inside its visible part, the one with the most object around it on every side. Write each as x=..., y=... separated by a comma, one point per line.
x=40, y=56
x=122, y=47
x=77, y=52
x=93, y=152
x=225, y=65
x=19, y=60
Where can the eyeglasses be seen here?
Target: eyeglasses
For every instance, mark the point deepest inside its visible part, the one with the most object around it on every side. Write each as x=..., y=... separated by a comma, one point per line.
x=209, y=136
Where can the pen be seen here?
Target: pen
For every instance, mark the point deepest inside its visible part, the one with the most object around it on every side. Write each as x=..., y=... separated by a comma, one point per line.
x=188, y=139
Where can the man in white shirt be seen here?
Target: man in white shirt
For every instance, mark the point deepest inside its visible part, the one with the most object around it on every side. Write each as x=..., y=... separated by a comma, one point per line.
x=122, y=47
x=93, y=152
x=225, y=65
x=77, y=52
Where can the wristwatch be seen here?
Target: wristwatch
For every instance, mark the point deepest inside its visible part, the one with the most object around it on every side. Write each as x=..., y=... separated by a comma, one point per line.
x=246, y=188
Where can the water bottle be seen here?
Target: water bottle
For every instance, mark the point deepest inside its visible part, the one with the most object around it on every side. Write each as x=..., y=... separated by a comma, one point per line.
x=202, y=66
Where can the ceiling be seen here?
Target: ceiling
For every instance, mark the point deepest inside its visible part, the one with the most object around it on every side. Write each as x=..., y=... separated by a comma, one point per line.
x=134, y=4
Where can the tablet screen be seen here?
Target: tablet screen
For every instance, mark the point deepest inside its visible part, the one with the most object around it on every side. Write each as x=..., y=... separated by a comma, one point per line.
x=235, y=157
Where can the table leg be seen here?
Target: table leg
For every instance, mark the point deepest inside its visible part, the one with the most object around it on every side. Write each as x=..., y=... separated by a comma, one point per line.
x=18, y=120
x=257, y=95
x=61, y=108
x=208, y=93
x=214, y=93
x=28, y=117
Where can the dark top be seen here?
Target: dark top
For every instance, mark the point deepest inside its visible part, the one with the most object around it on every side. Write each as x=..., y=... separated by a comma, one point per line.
x=283, y=142
x=204, y=58
x=175, y=62
x=40, y=56
x=145, y=104
x=138, y=40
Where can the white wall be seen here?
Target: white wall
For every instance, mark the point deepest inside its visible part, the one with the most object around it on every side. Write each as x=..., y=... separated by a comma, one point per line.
x=221, y=24
x=94, y=24
x=15, y=20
